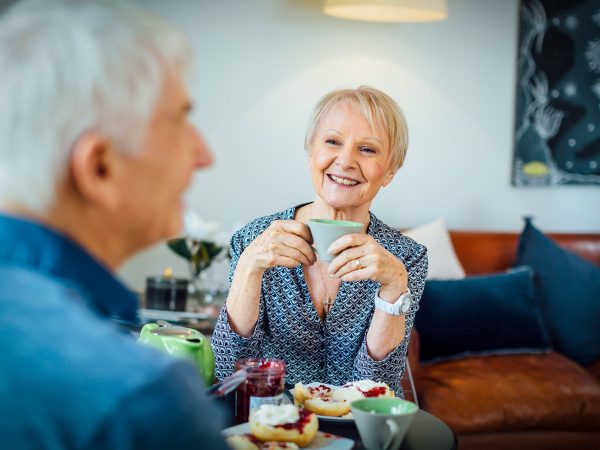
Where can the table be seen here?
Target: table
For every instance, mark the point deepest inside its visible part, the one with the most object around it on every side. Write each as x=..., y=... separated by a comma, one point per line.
x=426, y=431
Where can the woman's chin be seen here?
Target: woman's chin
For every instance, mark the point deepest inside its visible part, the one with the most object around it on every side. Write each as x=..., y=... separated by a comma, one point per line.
x=342, y=203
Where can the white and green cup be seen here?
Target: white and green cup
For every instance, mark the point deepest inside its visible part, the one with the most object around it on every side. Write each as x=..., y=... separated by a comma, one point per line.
x=326, y=232
x=383, y=422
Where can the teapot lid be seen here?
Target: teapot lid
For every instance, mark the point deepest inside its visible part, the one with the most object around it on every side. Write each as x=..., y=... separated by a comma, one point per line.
x=174, y=331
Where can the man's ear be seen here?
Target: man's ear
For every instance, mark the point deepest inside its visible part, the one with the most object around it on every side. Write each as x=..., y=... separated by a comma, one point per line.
x=93, y=170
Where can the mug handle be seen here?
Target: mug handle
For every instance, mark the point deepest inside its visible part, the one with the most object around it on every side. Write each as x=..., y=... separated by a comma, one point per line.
x=392, y=441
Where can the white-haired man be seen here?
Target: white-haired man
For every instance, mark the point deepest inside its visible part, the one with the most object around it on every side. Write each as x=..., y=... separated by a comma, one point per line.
x=96, y=151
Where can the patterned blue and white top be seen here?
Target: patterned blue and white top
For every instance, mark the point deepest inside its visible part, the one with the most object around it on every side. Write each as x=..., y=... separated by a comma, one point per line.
x=331, y=351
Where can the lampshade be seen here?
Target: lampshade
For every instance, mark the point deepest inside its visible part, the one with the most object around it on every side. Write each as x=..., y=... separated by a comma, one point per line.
x=387, y=10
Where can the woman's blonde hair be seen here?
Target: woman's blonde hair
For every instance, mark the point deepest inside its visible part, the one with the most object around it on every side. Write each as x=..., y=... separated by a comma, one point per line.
x=377, y=108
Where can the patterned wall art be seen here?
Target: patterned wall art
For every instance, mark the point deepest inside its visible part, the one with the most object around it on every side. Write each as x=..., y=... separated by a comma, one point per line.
x=557, y=125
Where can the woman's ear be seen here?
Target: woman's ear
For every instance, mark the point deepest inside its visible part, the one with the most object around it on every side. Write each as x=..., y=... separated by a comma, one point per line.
x=388, y=178
x=93, y=170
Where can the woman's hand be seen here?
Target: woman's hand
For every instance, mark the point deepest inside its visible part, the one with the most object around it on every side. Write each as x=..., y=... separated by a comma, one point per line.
x=284, y=243
x=360, y=257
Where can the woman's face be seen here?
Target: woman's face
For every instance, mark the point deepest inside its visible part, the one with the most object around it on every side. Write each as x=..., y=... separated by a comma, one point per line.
x=349, y=161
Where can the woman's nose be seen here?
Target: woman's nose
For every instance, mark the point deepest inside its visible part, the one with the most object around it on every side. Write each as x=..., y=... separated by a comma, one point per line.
x=346, y=157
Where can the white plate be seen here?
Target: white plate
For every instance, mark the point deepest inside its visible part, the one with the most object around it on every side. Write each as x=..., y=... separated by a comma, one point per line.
x=324, y=441
x=329, y=418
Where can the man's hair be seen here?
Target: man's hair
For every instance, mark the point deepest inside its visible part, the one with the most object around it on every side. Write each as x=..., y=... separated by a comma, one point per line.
x=378, y=108
x=70, y=67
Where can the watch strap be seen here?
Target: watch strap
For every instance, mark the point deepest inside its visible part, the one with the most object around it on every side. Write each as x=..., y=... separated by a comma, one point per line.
x=395, y=308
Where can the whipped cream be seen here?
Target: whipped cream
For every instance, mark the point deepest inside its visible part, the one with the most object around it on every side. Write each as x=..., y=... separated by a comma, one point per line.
x=355, y=390
x=271, y=415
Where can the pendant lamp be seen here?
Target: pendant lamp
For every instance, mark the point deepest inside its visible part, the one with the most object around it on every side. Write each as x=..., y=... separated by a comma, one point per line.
x=387, y=10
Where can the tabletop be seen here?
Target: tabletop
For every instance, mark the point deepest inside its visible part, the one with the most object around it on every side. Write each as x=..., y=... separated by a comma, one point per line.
x=426, y=431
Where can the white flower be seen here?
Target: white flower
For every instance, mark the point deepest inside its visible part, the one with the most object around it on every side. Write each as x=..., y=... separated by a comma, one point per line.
x=199, y=230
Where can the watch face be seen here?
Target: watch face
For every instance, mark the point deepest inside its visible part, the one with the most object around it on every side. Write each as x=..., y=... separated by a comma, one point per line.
x=406, y=302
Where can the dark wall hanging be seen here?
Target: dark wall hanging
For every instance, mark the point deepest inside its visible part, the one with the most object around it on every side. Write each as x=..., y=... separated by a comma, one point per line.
x=557, y=126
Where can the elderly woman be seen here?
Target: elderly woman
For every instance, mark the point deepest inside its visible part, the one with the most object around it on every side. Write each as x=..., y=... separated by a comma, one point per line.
x=345, y=320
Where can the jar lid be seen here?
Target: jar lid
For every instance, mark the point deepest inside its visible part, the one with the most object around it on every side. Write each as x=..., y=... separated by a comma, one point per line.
x=261, y=365
x=160, y=281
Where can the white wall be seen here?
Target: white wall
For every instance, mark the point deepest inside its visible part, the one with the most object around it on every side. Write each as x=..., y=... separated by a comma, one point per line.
x=261, y=65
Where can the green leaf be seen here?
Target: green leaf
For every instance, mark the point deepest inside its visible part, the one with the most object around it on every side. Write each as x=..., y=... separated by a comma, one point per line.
x=180, y=247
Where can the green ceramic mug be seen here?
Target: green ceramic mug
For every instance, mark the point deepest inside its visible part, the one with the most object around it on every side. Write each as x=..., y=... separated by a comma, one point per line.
x=383, y=422
x=326, y=232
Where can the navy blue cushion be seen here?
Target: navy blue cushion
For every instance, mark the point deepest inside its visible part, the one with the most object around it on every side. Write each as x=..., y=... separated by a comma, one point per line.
x=569, y=291
x=492, y=314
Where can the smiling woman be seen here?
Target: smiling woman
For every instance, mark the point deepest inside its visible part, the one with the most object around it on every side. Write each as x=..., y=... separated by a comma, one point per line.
x=281, y=296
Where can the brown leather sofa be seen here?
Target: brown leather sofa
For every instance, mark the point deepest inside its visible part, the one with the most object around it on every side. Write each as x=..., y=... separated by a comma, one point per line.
x=525, y=401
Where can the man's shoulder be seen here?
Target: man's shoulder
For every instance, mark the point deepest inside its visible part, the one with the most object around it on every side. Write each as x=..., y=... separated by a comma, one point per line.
x=53, y=318
x=64, y=363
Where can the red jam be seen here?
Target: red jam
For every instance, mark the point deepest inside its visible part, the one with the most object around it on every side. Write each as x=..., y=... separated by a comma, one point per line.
x=319, y=390
x=253, y=439
x=265, y=384
x=299, y=424
x=374, y=392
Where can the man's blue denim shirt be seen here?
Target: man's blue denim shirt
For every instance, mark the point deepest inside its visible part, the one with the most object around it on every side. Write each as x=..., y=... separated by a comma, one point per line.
x=69, y=377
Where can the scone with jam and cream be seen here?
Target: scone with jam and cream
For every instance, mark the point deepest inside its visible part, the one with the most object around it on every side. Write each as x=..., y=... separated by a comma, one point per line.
x=284, y=423
x=358, y=390
x=335, y=401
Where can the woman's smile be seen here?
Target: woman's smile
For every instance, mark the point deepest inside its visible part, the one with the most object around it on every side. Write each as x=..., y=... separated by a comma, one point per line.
x=349, y=161
x=343, y=181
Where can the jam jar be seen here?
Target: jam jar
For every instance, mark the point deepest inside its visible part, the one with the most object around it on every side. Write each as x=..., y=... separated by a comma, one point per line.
x=264, y=385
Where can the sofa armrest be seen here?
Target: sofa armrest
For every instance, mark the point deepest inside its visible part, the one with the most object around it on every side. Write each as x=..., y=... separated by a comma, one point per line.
x=413, y=351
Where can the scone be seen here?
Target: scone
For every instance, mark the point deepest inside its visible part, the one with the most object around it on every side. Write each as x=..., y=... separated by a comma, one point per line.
x=357, y=390
x=243, y=442
x=302, y=392
x=327, y=406
x=285, y=423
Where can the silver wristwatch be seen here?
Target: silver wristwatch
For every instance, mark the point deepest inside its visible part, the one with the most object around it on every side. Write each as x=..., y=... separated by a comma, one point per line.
x=398, y=308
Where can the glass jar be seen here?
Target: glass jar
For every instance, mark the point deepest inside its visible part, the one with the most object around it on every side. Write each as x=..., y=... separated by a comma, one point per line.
x=264, y=385
x=166, y=293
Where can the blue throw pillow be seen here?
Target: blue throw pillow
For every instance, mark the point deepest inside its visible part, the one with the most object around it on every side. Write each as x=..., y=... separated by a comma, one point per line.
x=480, y=315
x=569, y=291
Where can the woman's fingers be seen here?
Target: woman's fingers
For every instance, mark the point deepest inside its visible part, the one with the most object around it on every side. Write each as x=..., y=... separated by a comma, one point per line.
x=294, y=227
x=285, y=243
x=347, y=241
x=297, y=243
x=357, y=275
x=365, y=265
x=348, y=256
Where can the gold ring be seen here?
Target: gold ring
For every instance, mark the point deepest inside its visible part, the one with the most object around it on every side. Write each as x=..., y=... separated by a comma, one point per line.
x=358, y=262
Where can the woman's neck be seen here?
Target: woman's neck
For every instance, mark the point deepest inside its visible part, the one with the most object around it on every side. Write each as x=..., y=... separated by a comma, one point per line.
x=321, y=210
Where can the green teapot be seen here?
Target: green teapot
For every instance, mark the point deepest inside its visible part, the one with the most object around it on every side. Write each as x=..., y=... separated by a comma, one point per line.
x=181, y=342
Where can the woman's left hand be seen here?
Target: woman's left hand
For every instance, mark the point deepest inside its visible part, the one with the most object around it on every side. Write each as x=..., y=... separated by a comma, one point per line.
x=360, y=257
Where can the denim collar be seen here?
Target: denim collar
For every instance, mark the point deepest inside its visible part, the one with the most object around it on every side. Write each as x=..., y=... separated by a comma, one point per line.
x=28, y=244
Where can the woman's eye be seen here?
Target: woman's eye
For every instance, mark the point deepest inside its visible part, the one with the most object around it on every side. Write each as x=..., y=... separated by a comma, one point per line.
x=367, y=150
x=332, y=142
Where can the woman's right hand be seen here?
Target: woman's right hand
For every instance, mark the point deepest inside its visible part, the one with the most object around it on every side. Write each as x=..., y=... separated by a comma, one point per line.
x=284, y=243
